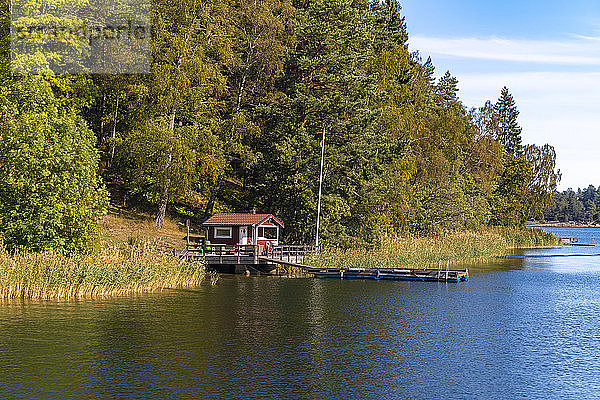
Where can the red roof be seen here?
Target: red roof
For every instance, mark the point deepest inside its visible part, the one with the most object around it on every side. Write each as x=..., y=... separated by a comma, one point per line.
x=236, y=219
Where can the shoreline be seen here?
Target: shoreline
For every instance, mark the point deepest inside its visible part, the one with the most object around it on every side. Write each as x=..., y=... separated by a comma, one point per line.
x=562, y=225
x=456, y=248
x=541, y=247
x=143, y=267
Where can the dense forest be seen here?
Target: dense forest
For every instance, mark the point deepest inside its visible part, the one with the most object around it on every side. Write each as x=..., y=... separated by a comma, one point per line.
x=230, y=117
x=581, y=206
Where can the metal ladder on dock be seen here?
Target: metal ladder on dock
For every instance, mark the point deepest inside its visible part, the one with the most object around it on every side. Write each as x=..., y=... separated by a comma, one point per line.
x=439, y=275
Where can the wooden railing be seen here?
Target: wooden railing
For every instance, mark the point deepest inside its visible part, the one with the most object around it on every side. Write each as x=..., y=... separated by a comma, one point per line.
x=292, y=253
x=289, y=253
x=221, y=250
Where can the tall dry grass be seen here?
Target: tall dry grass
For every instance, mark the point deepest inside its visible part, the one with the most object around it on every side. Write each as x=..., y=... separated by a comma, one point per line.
x=116, y=270
x=468, y=247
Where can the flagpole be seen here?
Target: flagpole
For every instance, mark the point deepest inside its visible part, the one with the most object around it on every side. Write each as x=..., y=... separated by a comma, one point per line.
x=320, y=188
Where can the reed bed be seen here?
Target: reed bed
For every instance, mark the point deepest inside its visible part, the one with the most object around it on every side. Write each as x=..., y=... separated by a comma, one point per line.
x=115, y=270
x=468, y=247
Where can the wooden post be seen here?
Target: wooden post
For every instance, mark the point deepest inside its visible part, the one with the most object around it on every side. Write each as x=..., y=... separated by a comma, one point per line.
x=187, y=225
x=256, y=254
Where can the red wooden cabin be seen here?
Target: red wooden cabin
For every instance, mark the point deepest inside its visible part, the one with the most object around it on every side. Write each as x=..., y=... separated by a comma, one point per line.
x=243, y=229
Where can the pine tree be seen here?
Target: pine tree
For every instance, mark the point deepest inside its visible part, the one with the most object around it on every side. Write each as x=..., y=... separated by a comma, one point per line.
x=447, y=88
x=509, y=134
x=390, y=25
x=326, y=86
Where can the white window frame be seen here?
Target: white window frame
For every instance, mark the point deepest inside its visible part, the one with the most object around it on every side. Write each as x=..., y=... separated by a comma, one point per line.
x=268, y=227
x=229, y=228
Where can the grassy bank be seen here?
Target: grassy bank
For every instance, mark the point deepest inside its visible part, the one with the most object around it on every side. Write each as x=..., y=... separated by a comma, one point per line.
x=122, y=226
x=117, y=269
x=457, y=247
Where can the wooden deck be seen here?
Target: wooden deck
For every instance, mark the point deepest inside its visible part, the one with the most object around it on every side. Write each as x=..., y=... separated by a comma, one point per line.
x=249, y=254
x=240, y=259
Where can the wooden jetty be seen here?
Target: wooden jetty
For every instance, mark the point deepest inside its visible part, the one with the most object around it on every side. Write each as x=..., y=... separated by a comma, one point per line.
x=246, y=243
x=423, y=275
x=246, y=259
x=575, y=242
x=567, y=241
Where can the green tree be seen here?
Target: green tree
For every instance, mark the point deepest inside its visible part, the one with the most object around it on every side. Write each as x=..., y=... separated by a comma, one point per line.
x=327, y=86
x=447, y=87
x=508, y=206
x=39, y=46
x=189, y=44
x=260, y=32
x=50, y=194
x=509, y=131
x=544, y=178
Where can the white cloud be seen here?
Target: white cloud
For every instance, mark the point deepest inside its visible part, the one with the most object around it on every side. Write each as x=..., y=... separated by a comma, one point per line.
x=578, y=51
x=557, y=91
x=584, y=37
x=560, y=108
x=579, y=90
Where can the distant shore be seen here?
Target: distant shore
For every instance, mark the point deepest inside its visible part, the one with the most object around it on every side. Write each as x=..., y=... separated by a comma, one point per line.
x=561, y=225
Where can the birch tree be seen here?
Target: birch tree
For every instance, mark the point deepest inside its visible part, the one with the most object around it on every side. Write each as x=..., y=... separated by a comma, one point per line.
x=188, y=43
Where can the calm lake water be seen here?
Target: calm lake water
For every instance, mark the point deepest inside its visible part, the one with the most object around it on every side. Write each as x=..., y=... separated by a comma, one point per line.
x=520, y=329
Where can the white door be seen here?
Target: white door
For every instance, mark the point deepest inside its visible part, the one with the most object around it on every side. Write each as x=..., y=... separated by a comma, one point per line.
x=243, y=235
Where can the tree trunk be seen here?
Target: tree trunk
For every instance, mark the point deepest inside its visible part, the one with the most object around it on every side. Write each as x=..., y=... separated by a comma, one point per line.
x=102, y=119
x=164, y=197
x=240, y=94
x=210, y=206
x=114, y=133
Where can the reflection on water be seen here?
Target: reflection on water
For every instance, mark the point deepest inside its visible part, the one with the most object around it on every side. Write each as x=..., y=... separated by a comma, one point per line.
x=518, y=329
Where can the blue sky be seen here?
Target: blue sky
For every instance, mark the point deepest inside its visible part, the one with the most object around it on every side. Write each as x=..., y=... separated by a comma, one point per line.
x=546, y=52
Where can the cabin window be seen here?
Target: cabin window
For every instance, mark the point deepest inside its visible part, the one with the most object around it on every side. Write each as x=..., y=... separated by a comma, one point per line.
x=270, y=233
x=223, y=233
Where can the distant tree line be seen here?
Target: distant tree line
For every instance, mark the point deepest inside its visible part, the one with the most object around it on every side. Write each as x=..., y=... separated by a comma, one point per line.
x=231, y=116
x=581, y=206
